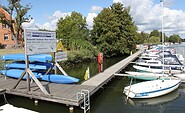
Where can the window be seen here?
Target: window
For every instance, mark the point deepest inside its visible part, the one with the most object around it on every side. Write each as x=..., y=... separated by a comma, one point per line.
x=3, y=25
x=5, y=36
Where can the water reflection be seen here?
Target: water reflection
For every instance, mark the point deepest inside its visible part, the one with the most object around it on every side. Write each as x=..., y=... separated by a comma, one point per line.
x=78, y=70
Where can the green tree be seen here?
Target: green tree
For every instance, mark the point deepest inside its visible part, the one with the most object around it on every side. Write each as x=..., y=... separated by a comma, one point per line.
x=20, y=17
x=175, y=39
x=154, y=40
x=155, y=33
x=114, y=31
x=73, y=31
x=142, y=38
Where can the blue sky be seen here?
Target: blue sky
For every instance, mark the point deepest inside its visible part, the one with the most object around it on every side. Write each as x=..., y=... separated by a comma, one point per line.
x=146, y=13
x=41, y=9
x=45, y=8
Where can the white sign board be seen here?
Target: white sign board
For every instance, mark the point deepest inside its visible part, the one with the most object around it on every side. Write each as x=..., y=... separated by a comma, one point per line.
x=60, y=56
x=39, y=41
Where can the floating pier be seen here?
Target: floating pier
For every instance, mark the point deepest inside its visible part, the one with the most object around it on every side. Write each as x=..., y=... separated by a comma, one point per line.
x=65, y=93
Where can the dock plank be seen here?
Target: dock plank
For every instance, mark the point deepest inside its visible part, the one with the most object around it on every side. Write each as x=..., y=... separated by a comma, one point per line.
x=109, y=73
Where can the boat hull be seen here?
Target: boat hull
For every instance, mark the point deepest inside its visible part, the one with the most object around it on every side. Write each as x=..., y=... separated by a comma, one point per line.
x=146, y=76
x=61, y=79
x=16, y=73
x=155, y=70
x=150, y=89
x=32, y=66
x=21, y=57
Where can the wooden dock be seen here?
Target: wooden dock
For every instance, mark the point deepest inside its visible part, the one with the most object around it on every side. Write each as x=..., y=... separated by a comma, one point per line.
x=65, y=93
x=2, y=91
x=102, y=78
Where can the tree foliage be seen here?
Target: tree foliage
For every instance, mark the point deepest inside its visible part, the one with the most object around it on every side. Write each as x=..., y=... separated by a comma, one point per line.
x=114, y=31
x=142, y=38
x=73, y=31
x=157, y=33
x=154, y=40
x=14, y=6
x=175, y=39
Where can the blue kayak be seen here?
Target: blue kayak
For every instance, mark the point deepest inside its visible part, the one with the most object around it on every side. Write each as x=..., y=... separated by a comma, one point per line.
x=32, y=65
x=21, y=57
x=61, y=79
x=16, y=73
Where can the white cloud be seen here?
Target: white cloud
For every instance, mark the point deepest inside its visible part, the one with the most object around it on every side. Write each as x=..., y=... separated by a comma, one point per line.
x=90, y=18
x=30, y=25
x=148, y=16
x=91, y=15
x=95, y=9
x=53, y=19
x=50, y=25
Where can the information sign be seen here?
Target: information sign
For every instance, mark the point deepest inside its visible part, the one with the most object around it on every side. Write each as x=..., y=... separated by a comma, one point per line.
x=40, y=41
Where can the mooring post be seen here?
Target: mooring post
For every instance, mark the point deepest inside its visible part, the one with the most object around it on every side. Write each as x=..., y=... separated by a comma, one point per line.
x=36, y=102
x=71, y=109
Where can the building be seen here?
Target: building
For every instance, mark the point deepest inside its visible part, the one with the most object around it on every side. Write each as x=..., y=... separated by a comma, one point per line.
x=5, y=32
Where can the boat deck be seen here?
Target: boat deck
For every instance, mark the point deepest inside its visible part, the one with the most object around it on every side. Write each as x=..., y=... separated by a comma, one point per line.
x=65, y=93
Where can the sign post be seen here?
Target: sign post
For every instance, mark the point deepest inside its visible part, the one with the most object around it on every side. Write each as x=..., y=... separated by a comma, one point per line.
x=36, y=42
x=60, y=56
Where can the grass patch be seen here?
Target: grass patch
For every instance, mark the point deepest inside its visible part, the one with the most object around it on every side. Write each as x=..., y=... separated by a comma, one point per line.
x=8, y=51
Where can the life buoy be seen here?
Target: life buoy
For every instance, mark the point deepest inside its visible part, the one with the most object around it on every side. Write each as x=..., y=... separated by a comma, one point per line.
x=100, y=58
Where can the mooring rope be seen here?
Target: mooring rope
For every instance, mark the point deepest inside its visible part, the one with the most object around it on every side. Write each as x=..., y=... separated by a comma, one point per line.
x=5, y=98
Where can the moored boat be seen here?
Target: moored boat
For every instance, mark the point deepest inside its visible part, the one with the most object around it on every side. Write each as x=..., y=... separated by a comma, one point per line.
x=150, y=89
x=146, y=76
x=171, y=64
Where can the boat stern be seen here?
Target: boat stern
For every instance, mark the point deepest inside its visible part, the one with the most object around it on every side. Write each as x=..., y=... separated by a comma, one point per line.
x=128, y=92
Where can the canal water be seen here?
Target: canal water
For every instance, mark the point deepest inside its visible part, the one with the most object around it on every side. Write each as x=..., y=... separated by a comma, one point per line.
x=110, y=98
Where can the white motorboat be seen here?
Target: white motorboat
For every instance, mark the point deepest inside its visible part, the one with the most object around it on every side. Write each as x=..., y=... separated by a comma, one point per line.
x=167, y=52
x=171, y=65
x=150, y=89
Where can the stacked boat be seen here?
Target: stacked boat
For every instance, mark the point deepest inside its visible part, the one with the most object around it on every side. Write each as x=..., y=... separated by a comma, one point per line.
x=38, y=63
x=162, y=72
